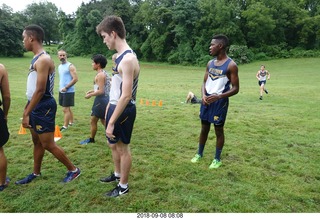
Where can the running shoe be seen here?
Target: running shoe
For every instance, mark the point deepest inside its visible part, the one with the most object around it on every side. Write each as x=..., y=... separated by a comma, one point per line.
x=87, y=141
x=2, y=187
x=63, y=129
x=117, y=191
x=215, y=164
x=111, y=178
x=27, y=179
x=72, y=175
x=266, y=91
x=196, y=158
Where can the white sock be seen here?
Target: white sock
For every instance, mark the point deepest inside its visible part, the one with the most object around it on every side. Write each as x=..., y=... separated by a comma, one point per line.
x=124, y=186
x=117, y=174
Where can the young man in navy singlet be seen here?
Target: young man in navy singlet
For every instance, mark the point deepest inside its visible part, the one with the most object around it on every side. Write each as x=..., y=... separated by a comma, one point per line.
x=220, y=82
x=40, y=110
x=101, y=90
x=262, y=76
x=121, y=110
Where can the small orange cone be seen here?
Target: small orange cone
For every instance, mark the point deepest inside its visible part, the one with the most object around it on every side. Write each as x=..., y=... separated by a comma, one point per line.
x=160, y=103
x=147, y=102
x=22, y=131
x=57, y=133
x=141, y=101
x=153, y=103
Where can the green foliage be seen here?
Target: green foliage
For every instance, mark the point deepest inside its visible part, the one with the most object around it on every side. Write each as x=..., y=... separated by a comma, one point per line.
x=240, y=54
x=177, y=32
x=10, y=35
x=270, y=164
x=44, y=14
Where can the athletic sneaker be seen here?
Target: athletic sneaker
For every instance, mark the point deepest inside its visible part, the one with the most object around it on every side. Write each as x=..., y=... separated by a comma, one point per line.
x=266, y=91
x=260, y=98
x=215, y=164
x=117, y=191
x=72, y=175
x=28, y=179
x=196, y=158
x=63, y=128
x=87, y=141
x=2, y=187
x=111, y=178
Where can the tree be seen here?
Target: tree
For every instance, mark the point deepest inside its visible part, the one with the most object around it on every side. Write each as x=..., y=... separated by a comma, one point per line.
x=10, y=34
x=44, y=14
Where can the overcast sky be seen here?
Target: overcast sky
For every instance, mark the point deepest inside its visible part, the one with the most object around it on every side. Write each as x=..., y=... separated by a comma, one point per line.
x=68, y=6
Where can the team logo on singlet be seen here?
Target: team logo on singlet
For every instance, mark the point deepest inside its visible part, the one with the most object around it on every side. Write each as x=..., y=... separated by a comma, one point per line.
x=215, y=118
x=215, y=73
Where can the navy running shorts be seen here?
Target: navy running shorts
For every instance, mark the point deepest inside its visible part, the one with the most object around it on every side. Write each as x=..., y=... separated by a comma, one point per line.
x=262, y=82
x=215, y=112
x=42, y=118
x=99, y=106
x=124, y=125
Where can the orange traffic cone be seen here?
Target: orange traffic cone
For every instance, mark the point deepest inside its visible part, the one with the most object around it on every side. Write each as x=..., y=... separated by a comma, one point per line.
x=147, y=102
x=160, y=103
x=153, y=103
x=141, y=101
x=22, y=131
x=57, y=133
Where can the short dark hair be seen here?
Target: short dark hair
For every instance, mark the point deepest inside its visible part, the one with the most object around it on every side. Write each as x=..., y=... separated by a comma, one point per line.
x=223, y=39
x=112, y=23
x=100, y=59
x=36, y=31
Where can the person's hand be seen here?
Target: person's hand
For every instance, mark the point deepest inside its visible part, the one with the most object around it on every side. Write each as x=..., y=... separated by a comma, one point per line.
x=25, y=122
x=212, y=98
x=109, y=132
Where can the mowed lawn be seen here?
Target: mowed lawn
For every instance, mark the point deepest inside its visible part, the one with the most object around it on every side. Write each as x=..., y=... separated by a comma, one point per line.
x=270, y=159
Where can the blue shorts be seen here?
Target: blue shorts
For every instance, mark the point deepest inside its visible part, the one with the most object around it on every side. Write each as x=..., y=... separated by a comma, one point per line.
x=215, y=112
x=66, y=99
x=4, y=133
x=42, y=117
x=262, y=82
x=124, y=125
x=99, y=106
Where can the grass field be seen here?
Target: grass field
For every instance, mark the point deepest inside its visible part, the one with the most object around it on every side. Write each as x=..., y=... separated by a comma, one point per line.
x=270, y=159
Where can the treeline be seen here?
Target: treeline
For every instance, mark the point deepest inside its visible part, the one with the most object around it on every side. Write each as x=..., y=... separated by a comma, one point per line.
x=176, y=31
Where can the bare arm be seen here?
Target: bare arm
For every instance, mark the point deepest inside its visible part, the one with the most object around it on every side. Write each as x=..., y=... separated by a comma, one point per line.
x=127, y=69
x=42, y=67
x=257, y=75
x=268, y=75
x=74, y=76
x=5, y=91
x=100, y=81
x=203, y=88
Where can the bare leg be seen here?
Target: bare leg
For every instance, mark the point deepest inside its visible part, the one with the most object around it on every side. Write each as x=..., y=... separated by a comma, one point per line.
x=205, y=128
x=67, y=116
x=38, y=152
x=94, y=126
x=3, y=167
x=115, y=157
x=219, y=136
x=125, y=161
x=48, y=143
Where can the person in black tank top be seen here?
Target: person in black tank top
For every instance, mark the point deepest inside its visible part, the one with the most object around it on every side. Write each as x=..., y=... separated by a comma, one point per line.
x=4, y=133
x=121, y=110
